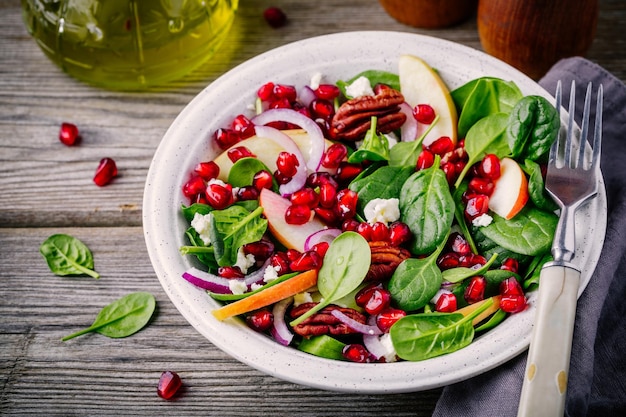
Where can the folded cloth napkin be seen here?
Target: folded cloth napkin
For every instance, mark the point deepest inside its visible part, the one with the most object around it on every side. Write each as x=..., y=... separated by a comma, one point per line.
x=597, y=380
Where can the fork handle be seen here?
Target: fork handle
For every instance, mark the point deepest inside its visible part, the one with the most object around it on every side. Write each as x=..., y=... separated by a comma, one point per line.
x=545, y=379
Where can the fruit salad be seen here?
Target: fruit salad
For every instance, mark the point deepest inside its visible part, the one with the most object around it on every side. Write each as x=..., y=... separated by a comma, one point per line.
x=375, y=219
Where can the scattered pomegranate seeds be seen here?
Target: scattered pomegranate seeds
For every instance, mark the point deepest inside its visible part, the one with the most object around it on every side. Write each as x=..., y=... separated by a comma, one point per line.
x=169, y=384
x=68, y=134
x=275, y=17
x=106, y=171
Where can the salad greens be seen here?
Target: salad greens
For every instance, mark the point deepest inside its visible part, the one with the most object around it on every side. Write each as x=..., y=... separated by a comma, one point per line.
x=232, y=228
x=67, y=255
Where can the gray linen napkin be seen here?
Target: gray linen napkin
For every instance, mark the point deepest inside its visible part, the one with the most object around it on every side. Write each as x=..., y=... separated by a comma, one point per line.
x=597, y=381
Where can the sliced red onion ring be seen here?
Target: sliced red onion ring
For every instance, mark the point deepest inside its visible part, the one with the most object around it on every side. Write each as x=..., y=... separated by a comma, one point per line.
x=324, y=235
x=408, y=131
x=280, y=330
x=318, y=143
x=220, y=285
x=366, y=329
x=306, y=95
x=372, y=342
x=298, y=180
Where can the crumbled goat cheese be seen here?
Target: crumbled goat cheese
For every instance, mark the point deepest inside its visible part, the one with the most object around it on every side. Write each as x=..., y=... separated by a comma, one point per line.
x=237, y=286
x=382, y=210
x=271, y=273
x=244, y=262
x=390, y=351
x=301, y=298
x=201, y=223
x=316, y=79
x=360, y=87
x=482, y=220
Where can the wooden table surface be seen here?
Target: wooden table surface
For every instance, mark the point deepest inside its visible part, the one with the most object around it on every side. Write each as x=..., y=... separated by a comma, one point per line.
x=47, y=188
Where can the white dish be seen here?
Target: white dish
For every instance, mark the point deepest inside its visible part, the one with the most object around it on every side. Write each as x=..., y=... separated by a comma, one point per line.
x=337, y=56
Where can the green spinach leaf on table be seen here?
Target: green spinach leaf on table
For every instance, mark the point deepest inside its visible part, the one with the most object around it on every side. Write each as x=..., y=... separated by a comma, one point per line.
x=67, y=255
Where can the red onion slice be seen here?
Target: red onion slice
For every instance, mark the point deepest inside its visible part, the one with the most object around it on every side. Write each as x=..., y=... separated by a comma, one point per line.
x=220, y=285
x=306, y=95
x=366, y=329
x=318, y=143
x=408, y=131
x=324, y=235
x=280, y=330
x=284, y=141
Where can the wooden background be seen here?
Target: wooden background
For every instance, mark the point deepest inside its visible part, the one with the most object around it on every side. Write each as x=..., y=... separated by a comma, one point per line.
x=47, y=188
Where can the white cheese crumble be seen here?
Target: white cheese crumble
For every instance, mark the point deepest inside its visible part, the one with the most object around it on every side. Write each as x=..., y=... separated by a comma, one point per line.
x=244, y=262
x=201, y=223
x=237, y=286
x=382, y=210
x=390, y=351
x=359, y=87
x=271, y=273
x=482, y=220
x=301, y=298
x=316, y=80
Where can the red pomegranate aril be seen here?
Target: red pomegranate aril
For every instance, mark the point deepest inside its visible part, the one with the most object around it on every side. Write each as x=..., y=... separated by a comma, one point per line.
x=513, y=303
x=327, y=91
x=260, y=320
x=446, y=303
x=328, y=215
x=334, y=155
x=476, y=207
x=266, y=91
x=346, y=203
x=349, y=225
x=424, y=113
x=169, y=384
x=306, y=196
x=321, y=248
x=200, y=199
x=399, y=233
x=364, y=294
x=281, y=178
x=379, y=299
x=293, y=254
x=287, y=92
x=194, y=186
x=459, y=244
x=481, y=185
x=365, y=230
x=297, y=214
x=263, y=179
x=388, y=317
x=441, y=146
x=322, y=109
x=275, y=17
x=316, y=179
x=68, y=134
x=510, y=264
x=280, y=103
x=247, y=193
x=355, y=352
x=448, y=260
x=230, y=272
x=239, y=152
x=380, y=87
x=425, y=160
x=449, y=169
x=346, y=172
x=490, y=167
x=511, y=286
x=242, y=125
x=106, y=171
x=380, y=232
x=207, y=170
x=327, y=195
x=218, y=196
x=261, y=250
x=475, y=291
x=280, y=262
x=225, y=138
x=308, y=260
x=287, y=164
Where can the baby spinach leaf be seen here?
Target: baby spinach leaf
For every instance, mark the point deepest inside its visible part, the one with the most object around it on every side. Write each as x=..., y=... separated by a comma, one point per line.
x=232, y=228
x=374, y=77
x=427, y=207
x=459, y=215
x=374, y=148
x=243, y=170
x=122, y=317
x=386, y=182
x=482, y=97
x=190, y=211
x=66, y=255
x=204, y=253
x=533, y=126
x=536, y=187
x=422, y=336
x=487, y=136
x=460, y=273
x=493, y=321
x=346, y=263
x=406, y=153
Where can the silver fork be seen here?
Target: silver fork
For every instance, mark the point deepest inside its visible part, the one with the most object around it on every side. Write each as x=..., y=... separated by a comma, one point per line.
x=571, y=180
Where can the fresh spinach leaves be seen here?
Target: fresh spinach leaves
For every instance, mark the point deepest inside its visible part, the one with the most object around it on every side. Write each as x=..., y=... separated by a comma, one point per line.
x=536, y=187
x=406, y=153
x=375, y=147
x=67, y=255
x=243, y=171
x=533, y=126
x=232, y=228
x=374, y=77
x=386, y=182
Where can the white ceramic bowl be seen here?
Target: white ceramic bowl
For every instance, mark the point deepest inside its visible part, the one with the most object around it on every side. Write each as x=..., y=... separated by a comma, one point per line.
x=337, y=56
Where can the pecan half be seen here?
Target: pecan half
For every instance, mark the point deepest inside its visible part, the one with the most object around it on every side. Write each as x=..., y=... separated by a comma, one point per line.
x=385, y=260
x=353, y=118
x=323, y=322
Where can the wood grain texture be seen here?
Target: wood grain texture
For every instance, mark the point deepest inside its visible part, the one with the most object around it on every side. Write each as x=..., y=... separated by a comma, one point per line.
x=47, y=188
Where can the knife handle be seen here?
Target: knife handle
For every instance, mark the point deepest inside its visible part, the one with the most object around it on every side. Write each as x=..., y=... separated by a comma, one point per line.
x=545, y=379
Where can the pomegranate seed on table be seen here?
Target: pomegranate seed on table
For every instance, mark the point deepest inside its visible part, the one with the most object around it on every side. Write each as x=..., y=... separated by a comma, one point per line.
x=424, y=113
x=388, y=317
x=475, y=291
x=446, y=303
x=297, y=214
x=68, y=134
x=207, y=170
x=425, y=160
x=308, y=260
x=275, y=17
x=334, y=155
x=106, y=171
x=355, y=352
x=263, y=179
x=489, y=167
x=169, y=384
x=287, y=164
x=260, y=320
x=218, y=196
x=239, y=152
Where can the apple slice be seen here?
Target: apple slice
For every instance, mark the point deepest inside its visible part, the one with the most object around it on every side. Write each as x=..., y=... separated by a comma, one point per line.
x=420, y=84
x=510, y=192
x=291, y=235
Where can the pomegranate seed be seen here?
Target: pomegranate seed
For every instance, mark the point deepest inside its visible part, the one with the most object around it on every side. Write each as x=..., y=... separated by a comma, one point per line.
x=328, y=195
x=321, y=248
x=230, y=272
x=350, y=225
x=207, y=170
x=287, y=164
x=261, y=250
x=201, y=199
x=365, y=230
x=306, y=196
x=380, y=87
x=68, y=134
x=459, y=244
x=193, y=187
x=334, y=155
x=511, y=286
x=346, y=172
x=297, y=214
x=388, y=317
x=266, y=91
x=238, y=152
x=476, y=207
x=378, y=299
x=510, y=264
x=106, y=171
x=475, y=291
x=399, y=233
x=316, y=179
x=490, y=167
x=242, y=125
x=263, y=179
x=308, y=260
x=226, y=138
x=425, y=160
x=446, y=303
x=280, y=263
x=481, y=185
x=441, y=146
x=293, y=254
x=449, y=169
x=260, y=320
x=459, y=166
x=355, y=352
x=275, y=17
x=287, y=92
x=472, y=261
x=247, y=193
x=327, y=215
x=281, y=178
x=513, y=303
x=322, y=109
x=448, y=260
x=327, y=91
x=380, y=232
x=424, y=113
x=218, y=196
x=346, y=203
x=169, y=384
x=280, y=103
x=363, y=295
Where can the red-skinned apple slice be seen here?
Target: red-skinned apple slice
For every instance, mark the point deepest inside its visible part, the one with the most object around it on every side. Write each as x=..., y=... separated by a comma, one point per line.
x=510, y=192
x=290, y=235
